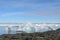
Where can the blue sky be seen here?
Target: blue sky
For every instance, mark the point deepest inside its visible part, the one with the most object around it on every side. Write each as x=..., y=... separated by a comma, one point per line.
x=35, y=11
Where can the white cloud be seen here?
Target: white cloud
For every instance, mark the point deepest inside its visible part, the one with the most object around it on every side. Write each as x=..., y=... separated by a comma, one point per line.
x=11, y=14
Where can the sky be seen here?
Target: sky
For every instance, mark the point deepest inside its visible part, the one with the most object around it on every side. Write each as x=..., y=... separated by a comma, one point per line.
x=35, y=11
